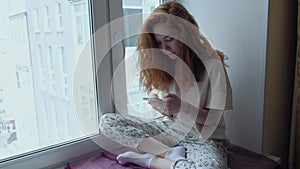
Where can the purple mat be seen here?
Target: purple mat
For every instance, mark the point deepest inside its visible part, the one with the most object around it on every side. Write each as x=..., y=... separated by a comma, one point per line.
x=241, y=158
x=238, y=158
x=104, y=160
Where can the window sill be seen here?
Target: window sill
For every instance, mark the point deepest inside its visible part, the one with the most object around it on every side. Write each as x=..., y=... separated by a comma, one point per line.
x=56, y=157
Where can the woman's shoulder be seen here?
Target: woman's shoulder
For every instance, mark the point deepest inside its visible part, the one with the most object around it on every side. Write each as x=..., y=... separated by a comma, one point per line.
x=212, y=59
x=213, y=62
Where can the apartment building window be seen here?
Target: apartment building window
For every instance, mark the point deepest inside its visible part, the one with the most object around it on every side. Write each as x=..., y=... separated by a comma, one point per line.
x=41, y=67
x=23, y=77
x=59, y=20
x=87, y=101
x=18, y=79
x=46, y=124
x=56, y=125
x=51, y=70
x=81, y=20
x=18, y=32
x=36, y=18
x=47, y=19
x=65, y=86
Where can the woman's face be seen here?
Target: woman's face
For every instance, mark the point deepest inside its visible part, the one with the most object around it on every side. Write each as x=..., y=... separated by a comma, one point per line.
x=164, y=38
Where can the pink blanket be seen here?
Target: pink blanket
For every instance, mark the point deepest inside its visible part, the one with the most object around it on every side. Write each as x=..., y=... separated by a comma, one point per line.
x=104, y=160
x=238, y=158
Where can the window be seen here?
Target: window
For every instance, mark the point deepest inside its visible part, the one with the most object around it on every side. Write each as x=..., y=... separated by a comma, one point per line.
x=65, y=86
x=135, y=105
x=87, y=101
x=36, y=18
x=81, y=20
x=18, y=32
x=23, y=77
x=51, y=71
x=37, y=106
x=132, y=41
x=18, y=79
x=59, y=24
x=47, y=19
x=41, y=67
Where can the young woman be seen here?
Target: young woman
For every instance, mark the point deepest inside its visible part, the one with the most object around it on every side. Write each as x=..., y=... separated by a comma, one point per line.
x=178, y=61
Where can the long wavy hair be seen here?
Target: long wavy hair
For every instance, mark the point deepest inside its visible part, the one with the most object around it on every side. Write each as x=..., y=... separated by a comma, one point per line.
x=192, y=43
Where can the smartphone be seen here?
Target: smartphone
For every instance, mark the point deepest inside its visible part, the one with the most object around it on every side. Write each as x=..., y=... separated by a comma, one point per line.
x=152, y=99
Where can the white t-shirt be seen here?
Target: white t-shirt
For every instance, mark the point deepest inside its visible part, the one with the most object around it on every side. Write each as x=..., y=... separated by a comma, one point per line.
x=215, y=93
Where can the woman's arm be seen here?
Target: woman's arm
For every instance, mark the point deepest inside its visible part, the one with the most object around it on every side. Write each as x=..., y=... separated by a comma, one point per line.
x=172, y=104
x=204, y=115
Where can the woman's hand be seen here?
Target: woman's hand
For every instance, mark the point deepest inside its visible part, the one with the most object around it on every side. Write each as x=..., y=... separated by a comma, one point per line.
x=169, y=106
x=172, y=103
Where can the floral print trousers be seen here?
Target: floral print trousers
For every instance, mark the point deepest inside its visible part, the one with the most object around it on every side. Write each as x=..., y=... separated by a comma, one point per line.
x=130, y=132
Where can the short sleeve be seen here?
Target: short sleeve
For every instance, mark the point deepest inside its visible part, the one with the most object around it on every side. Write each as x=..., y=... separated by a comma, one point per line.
x=219, y=94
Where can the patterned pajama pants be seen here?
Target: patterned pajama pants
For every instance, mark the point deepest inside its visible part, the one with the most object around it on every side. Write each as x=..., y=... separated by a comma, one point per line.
x=130, y=132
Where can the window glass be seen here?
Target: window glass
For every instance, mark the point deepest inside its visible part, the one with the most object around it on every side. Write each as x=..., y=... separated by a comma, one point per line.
x=82, y=29
x=36, y=18
x=132, y=41
x=59, y=21
x=136, y=105
x=47, y=19
x=37, y=103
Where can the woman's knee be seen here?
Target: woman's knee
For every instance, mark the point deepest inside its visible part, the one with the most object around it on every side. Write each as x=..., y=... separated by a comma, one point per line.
x=107, y=118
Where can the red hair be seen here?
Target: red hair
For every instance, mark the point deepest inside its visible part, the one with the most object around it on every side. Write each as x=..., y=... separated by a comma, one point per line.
x=169, y=12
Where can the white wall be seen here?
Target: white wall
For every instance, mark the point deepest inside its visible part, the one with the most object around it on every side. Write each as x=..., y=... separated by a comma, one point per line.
x=239, y=29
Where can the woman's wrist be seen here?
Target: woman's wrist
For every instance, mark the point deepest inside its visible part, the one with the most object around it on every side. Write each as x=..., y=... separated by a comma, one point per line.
x=198, y=114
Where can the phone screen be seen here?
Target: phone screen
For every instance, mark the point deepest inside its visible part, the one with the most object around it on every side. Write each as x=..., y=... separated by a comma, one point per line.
x=152, y=99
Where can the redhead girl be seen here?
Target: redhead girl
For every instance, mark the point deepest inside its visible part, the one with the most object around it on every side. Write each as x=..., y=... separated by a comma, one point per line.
x=180, y=67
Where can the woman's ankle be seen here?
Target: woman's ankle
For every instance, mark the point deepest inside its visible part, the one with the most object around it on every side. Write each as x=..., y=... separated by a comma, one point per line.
x=150, y=145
